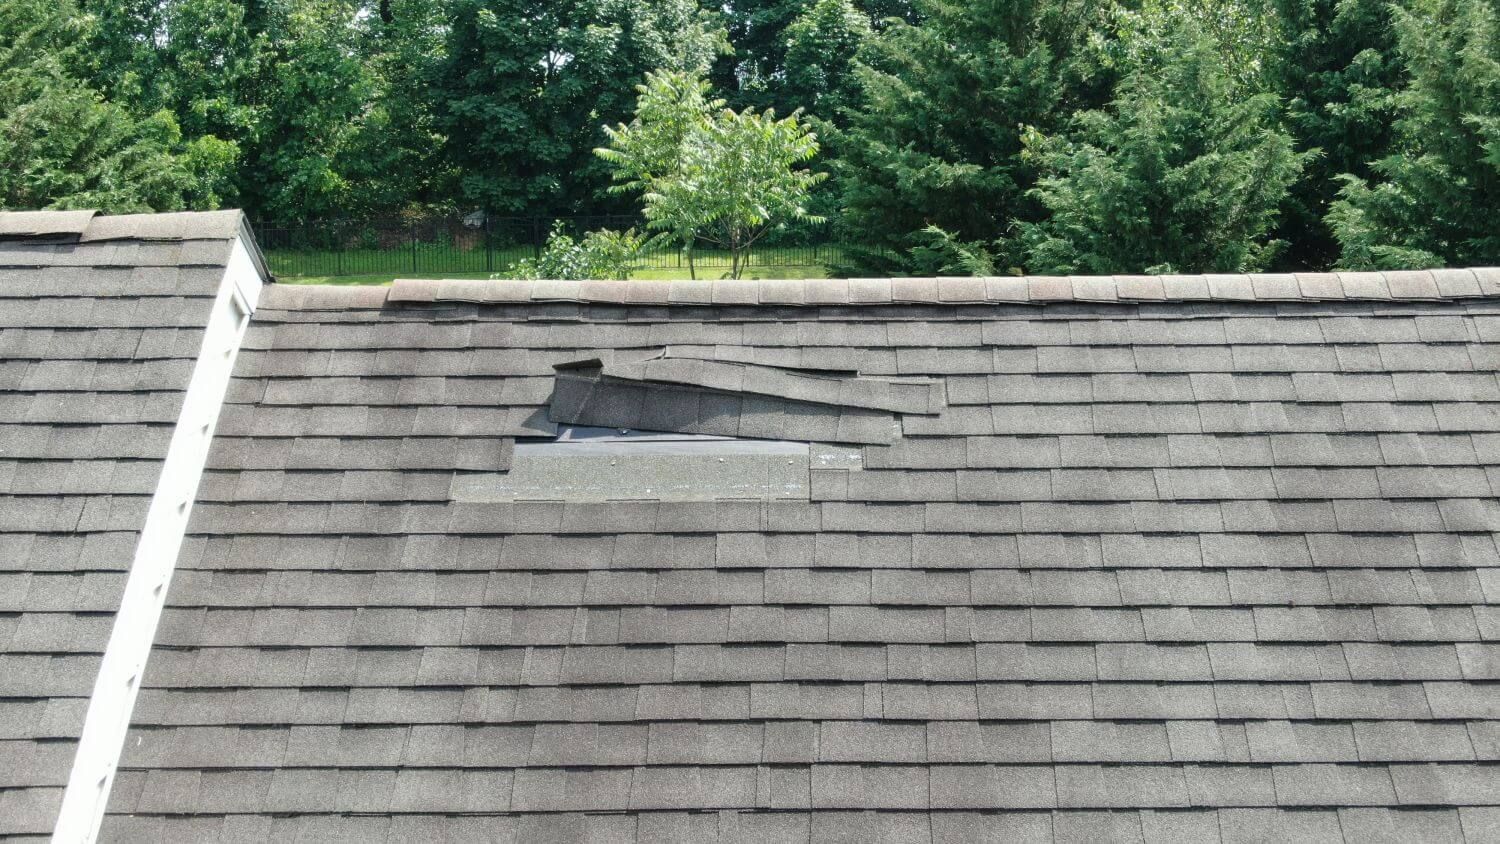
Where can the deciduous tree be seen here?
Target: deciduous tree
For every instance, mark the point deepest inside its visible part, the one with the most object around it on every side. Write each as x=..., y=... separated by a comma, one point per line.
x=704, y=173
x=821, y=47
x=525, y=86
x=64, y=146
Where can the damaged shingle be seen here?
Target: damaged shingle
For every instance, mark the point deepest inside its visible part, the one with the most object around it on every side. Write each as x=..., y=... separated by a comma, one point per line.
x=1185, y=558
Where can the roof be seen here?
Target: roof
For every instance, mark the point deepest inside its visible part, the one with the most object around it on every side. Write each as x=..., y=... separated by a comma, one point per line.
x=1192, y=558
x=101, y=319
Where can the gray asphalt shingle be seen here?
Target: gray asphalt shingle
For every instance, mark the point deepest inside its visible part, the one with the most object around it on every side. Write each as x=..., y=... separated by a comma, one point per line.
x=100, y=322
x=1158, y=570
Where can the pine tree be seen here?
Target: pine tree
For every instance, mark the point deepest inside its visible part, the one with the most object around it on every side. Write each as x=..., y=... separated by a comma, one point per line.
x=937, y=138
x=1334, y=64
x=1436, y=200
x=1182, y=172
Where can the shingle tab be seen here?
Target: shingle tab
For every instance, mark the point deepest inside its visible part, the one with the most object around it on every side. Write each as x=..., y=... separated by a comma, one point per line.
x=100, y=326
x=1158, y=569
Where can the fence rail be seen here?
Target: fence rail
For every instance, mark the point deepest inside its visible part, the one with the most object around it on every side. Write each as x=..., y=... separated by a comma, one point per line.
x=478, y=244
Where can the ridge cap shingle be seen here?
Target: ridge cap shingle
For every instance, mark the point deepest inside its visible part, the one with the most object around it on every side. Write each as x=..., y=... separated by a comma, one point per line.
x=27, y=224
x=177, y=225
x=1405, y=285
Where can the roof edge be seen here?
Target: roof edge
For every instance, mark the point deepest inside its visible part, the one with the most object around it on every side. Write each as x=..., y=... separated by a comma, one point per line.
x=252, y=247
x=16, y=225
x=174, y=225
x=1438, y=285
x=1409, y=285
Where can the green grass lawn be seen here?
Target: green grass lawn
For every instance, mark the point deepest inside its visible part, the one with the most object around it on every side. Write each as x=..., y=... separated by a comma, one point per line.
x=380, y=266
x=368, y=278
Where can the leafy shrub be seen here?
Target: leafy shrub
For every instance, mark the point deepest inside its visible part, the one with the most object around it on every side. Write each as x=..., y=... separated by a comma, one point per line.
x=598, y=254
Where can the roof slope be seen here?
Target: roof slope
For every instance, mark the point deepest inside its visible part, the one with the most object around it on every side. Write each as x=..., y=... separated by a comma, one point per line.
x=100, y=322
x=1163, y=570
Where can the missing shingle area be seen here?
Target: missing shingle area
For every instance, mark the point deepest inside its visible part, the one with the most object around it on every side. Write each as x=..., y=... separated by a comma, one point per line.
x=590, y=464
x=682, y=428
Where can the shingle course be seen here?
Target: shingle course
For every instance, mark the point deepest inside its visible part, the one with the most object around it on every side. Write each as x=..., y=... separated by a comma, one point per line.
x=99, y=330
x=1236, y=556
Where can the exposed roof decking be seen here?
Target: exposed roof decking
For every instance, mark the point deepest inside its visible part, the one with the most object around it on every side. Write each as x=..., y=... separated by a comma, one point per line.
x=1210, y=569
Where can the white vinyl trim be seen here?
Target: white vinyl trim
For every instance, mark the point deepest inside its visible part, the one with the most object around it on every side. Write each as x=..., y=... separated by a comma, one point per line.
x=125, y=656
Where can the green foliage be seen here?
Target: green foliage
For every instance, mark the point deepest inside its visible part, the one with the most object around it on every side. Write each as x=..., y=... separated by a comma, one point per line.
x=740, y=179
x=599, y=254
x=1181, y=173
x=64, y=146
x=821, y=45
x=192, y=58
x=317, y=88
x=756, y=28
x=670, y=108
x=526, y=85
x=1335, y=66
x=393, y=161
x=284, y=84
x=1436, y=200
x=720, y=176
x=961, y=137
x=937, y=139
x=763, y=72
x=949, y=256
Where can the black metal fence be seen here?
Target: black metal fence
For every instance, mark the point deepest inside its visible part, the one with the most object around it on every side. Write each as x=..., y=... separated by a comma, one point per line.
x=478, y=244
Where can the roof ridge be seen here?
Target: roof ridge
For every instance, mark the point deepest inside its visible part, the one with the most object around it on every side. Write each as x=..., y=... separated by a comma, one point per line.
x=1406, y=285
x=44, y=224
x=175, y=225
x=88, y=226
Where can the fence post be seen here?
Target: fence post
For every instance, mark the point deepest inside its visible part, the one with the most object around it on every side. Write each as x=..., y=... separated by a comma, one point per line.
x=413, y=248
x=536, y=238
x=489, y=247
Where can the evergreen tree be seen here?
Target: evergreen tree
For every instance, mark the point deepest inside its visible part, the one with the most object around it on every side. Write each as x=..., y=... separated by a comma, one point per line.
x=1181, y=173
x=1436, y=200
x=937, y=138
x=1334, y=64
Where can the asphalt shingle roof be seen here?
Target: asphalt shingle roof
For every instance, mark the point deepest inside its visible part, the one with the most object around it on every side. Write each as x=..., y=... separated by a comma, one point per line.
x=100, y=322
x=1203, y=558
